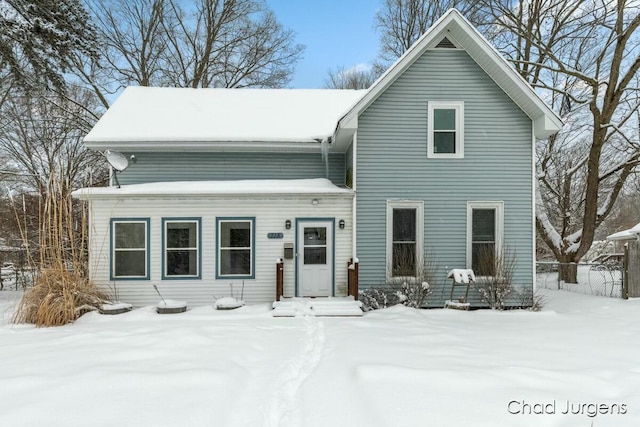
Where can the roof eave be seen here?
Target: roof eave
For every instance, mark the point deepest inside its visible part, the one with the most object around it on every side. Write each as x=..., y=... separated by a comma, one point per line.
x=544, y=126
x=204, y=145
x=87, y=194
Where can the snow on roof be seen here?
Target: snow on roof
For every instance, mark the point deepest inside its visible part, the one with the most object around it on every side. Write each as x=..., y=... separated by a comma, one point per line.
x=631, y=233
x=147, y=114
x=318, y=186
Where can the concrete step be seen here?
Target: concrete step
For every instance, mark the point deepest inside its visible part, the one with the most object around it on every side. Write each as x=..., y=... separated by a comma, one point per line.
x=328, y=307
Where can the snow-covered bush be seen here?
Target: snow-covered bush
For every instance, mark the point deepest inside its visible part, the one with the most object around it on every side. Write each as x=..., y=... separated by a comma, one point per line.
x=533, y=301
x=374, y=298
x=411, y=291
x=495, y=281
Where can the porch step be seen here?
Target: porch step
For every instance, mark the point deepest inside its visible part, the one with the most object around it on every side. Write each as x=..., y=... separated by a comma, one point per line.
x=326, y=306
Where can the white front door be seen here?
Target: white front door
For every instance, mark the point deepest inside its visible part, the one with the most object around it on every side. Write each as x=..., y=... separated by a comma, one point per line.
x=315, y=258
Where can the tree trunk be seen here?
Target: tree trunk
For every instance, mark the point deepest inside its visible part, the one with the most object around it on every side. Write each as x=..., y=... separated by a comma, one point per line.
x=568, y=270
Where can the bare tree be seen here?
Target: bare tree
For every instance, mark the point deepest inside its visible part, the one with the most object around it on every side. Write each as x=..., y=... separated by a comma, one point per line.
x=213, y=43
x=351, y=78
x=41, y=137
x=38, y=38
x=585, y=57
x=402, y=22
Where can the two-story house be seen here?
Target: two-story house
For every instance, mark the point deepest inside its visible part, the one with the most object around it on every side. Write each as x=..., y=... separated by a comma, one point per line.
x=435, y=160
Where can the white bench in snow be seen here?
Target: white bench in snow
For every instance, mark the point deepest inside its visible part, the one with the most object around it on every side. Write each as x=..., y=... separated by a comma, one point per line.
x=460, y=277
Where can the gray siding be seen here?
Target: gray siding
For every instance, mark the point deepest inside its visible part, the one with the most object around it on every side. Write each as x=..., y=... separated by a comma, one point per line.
x=392, y=164
x=189, y=166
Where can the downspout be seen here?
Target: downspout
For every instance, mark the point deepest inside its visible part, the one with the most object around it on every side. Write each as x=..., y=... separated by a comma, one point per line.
x=354, y=179
x=533, y=200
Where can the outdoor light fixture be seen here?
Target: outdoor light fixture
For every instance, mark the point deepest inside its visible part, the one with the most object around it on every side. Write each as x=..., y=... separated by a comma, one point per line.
x=287, y=224
x=315, y=202
x=341, y=224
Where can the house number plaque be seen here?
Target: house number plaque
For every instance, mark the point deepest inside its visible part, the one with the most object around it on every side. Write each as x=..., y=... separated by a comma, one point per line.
x=275, y=235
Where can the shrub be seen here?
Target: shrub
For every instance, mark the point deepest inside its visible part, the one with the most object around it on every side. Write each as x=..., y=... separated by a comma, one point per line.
x=410, y=290
x=496, y=288
x=58, y=297
x=534, y=301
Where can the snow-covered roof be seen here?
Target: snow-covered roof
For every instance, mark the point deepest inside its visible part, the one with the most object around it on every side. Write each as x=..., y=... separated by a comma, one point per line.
x=629, y=234
x=455, y=26
x=318, y=186
x=156, y=115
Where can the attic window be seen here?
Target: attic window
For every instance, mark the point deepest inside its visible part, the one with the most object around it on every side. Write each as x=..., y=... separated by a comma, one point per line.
x=445, y=43
x=445, y=129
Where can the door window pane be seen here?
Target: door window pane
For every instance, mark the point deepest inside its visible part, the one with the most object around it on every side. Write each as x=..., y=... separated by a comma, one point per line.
x=315, y=235
x=315, y=255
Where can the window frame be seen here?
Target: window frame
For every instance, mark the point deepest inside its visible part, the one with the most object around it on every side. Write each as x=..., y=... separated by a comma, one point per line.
x=165, y=263
x=252, y=222
x=112, y=250
x=418, y=205
x=498, y=206
x=458, y=106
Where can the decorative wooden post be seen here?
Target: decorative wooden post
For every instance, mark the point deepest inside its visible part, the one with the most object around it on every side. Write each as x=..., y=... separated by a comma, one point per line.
x=352, y=278
x=279, y=278
x=625, y=273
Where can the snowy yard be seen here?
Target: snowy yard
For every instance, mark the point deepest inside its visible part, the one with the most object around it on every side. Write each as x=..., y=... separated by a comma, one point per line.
x=593, y=279
x=394, y=367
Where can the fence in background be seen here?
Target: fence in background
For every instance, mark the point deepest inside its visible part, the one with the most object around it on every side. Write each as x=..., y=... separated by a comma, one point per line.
x=601, y=279
x=15, y=278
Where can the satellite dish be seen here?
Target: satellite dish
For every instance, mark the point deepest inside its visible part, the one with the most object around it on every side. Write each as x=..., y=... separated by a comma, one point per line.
x=117, y=160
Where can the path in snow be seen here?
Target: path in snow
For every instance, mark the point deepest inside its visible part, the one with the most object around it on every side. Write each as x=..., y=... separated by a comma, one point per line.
x=280, y=408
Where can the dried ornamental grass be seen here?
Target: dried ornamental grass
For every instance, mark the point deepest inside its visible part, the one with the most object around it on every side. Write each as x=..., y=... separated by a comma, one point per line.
x=57, y=298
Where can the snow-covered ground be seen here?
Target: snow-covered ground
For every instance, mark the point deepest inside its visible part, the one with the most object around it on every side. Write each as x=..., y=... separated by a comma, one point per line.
x=393, y=367
x=594, y=279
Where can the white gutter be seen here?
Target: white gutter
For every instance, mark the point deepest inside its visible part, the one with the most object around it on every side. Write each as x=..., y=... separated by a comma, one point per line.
x=354, y=157
x=533, y=199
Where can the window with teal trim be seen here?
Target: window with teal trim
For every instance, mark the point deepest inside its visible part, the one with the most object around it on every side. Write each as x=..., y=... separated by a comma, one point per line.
x=130, y=251
x=182, y=248
x=235, y=247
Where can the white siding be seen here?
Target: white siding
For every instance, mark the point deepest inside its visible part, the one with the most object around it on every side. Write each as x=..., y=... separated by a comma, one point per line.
x=270, y=213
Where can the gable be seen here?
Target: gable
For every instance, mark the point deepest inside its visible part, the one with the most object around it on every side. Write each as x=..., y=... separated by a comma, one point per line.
x=459, y=32
x=492, y=120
